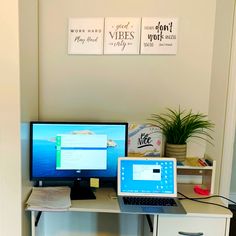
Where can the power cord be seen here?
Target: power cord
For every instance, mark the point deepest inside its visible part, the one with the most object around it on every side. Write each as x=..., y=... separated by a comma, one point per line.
x=195, y=199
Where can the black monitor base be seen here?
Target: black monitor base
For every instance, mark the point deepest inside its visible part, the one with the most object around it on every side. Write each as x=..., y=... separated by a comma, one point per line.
x=80, y=191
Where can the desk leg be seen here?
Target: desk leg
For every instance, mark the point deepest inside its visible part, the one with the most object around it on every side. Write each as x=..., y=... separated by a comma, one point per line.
x=155, y=217
x=227, y=227
x=33, y=218
x=150, y=225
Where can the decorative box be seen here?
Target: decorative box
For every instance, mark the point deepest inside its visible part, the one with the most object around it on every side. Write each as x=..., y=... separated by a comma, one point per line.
x=145, y=140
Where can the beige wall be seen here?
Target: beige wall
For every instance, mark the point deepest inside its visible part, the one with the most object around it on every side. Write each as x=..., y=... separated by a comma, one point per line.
x=10, y=172
x=130, y=87
x=28, y=10
x=101, y=87
x=233, y=177
x=219, y=78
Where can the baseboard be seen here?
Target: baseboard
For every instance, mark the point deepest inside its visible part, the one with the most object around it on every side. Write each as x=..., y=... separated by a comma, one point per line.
x=232, y=196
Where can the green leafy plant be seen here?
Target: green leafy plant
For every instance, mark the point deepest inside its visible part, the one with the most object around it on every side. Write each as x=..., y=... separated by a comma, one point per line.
x=180, y=125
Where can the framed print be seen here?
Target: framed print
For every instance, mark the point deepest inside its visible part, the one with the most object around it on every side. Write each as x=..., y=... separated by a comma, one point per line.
x=122, y=35
x=85, y=36
x=159, y=35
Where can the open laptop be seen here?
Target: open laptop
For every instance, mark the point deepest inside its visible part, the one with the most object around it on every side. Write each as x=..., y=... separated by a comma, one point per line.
x=148, y=179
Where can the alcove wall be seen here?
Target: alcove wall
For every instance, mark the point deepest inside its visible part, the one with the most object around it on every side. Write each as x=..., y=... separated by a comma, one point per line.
x=102, y=87
x=122, y=87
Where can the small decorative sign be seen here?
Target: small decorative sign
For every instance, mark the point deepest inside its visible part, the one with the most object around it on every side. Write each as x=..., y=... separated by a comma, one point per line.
x=122, y=35
x=144, y=140
x=85, y=36
x=159, y=35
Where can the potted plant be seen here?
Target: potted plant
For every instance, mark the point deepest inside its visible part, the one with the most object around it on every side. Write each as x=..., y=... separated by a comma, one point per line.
x=178, y=126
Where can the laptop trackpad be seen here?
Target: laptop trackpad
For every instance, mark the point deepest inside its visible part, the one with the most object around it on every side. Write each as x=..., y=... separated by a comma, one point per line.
x=153, y=209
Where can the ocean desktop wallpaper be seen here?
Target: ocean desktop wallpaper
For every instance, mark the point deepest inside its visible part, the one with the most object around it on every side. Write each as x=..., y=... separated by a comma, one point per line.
x=43, y=149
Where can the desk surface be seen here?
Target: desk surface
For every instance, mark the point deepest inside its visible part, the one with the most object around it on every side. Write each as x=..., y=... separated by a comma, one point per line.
x=195, y=208
x=106, y=201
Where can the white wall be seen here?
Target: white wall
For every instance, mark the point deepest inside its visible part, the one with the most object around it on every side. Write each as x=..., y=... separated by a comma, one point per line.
x=10, y=173
x=91, y=224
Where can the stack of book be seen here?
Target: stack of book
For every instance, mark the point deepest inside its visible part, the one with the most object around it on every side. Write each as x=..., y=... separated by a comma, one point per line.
x=195, y=162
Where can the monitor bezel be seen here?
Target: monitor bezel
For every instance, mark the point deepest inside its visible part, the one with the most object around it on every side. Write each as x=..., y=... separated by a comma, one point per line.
x=66, y=178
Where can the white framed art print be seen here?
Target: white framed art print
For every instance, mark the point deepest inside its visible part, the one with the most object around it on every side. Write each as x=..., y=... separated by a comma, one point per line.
x=85, y=35
x=122, y=35
x=159, y=35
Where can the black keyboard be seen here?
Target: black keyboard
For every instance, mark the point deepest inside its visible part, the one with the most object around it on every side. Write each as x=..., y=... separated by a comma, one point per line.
x=149, y=201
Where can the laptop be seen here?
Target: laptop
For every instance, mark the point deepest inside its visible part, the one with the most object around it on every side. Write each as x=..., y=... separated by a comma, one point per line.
x=148, y=185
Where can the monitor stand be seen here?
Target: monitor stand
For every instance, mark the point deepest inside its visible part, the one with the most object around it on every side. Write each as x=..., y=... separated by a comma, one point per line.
x=81, y=191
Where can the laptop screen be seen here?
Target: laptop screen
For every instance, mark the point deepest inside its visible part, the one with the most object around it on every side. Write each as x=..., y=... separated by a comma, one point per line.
x=147, y=177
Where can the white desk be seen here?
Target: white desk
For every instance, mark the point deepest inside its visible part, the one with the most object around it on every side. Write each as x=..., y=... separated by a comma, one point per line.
x=204, y=219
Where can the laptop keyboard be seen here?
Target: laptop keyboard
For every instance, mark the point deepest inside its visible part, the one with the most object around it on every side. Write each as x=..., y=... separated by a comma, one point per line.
x=149, y=201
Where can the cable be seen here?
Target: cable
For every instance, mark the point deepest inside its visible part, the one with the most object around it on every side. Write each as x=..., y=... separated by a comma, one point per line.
x=212, y=196
x=202, y=198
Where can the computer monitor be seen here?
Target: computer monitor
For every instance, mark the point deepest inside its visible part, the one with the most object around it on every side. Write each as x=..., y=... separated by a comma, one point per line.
x=62, y=151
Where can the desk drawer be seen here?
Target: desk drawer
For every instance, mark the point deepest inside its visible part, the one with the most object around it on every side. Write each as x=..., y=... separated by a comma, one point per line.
x=190, y=226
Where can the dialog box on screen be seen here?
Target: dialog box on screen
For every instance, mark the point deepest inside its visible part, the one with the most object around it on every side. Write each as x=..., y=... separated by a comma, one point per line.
x=81, y=152
x=146, y=172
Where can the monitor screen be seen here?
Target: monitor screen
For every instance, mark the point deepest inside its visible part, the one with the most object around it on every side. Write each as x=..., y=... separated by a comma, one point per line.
x=69, y=151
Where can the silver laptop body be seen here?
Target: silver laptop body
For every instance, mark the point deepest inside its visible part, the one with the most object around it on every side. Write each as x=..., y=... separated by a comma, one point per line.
x=148, y=178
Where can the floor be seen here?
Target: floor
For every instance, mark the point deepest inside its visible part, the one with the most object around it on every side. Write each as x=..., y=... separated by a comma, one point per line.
x=233, y=221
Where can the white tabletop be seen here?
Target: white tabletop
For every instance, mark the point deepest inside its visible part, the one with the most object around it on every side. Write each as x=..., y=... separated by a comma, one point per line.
x=106, y=201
